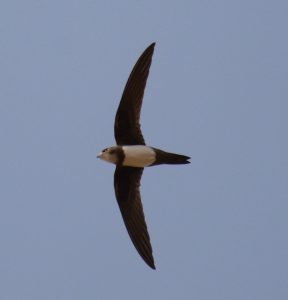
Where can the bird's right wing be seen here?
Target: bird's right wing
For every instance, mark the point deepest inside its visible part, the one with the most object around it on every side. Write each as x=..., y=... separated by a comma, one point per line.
x=127, y=184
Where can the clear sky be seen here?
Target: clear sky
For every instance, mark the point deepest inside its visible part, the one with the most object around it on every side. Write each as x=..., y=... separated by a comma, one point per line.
x=217, y=91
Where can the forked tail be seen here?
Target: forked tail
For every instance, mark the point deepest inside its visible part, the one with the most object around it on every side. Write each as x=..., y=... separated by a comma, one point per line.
x=163, y=157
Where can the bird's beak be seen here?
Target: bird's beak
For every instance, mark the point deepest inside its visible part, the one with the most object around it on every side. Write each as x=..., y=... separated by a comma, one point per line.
x=99, y=155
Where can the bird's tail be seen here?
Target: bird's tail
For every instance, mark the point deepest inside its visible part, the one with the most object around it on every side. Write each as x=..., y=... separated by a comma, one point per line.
x=163, y=157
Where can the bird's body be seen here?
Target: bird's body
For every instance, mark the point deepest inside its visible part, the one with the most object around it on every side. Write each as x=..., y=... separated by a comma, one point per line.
x=140, y=156
x=131, y=156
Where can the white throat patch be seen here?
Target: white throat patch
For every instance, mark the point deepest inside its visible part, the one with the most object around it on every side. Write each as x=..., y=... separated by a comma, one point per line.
x=138, y=156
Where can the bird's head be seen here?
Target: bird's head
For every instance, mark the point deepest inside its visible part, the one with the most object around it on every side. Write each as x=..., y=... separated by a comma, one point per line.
x=110, y=154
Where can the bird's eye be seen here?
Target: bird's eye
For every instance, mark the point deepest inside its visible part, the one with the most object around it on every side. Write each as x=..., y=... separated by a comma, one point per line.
x=105, y=150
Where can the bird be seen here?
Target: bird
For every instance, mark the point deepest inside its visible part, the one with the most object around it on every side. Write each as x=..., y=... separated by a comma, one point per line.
x=131, y=155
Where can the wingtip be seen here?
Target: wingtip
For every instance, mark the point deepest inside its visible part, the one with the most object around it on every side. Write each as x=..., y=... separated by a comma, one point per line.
x=149, y=260
x=152, y=265
x=152, y=45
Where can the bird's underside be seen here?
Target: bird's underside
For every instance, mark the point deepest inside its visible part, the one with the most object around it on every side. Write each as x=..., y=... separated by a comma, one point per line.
x=131, y=156
x=127, y=131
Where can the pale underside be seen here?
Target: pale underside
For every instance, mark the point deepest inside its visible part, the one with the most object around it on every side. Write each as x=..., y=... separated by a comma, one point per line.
x=138, y=156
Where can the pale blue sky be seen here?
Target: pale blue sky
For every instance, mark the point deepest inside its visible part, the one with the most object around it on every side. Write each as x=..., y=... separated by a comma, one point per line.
x=217, y=91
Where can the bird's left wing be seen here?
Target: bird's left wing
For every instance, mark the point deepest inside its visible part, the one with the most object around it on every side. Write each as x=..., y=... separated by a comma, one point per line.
x=127, y=129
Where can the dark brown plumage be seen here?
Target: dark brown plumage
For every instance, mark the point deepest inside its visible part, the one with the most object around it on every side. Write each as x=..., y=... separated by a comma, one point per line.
x=126, y=185
x=131, y=156
x=127, y=129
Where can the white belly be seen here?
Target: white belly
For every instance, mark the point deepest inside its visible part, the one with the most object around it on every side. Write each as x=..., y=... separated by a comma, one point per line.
x=138, y=156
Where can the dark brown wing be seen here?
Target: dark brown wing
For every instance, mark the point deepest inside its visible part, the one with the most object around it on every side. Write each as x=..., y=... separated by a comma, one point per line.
x=127, y=184
x=127, y=129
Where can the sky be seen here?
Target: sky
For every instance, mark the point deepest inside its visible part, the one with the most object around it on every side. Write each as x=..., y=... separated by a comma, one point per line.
x=217, y=91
